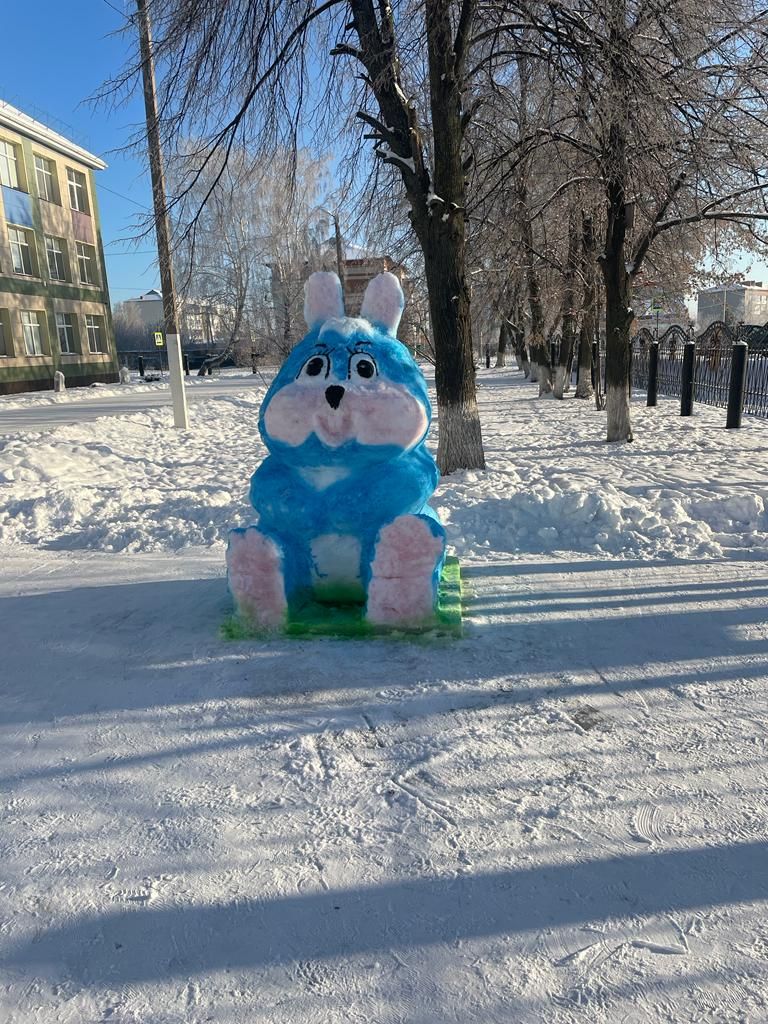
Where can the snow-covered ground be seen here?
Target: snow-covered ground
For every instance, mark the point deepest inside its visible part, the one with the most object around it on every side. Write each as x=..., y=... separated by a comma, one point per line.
x=559, y=818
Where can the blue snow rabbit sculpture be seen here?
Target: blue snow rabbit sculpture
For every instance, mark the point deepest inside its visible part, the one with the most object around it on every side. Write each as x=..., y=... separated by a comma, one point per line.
x=342, y=495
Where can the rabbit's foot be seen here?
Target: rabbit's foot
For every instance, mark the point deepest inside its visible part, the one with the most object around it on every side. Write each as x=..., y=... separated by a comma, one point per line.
x=402, y=589
x=254, y=565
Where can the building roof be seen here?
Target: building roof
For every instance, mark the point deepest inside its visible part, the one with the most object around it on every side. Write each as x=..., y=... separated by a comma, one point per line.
x=22, y=123
x=732, y=286
x=151, y=296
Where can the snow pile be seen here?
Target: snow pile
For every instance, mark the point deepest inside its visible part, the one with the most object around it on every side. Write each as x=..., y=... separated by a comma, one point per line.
x=132, y=483
x=559, y=514
x=686, y=488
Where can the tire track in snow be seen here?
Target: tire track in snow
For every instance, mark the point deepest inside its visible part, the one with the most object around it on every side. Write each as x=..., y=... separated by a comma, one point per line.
x=645, y=825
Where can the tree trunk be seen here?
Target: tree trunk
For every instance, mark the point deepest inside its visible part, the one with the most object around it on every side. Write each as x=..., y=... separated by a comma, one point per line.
x=522, y=349
x=442, y=235
x=541, y=366
x=501, y=351
x=588, y=332
x=618, y=310
x=438, y=204
x=562, y=374
x=618, y=317
x=460, y=444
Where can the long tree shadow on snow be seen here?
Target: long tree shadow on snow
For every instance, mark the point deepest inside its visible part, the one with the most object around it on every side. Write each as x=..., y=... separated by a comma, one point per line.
x=154, y=943
x=137, y=645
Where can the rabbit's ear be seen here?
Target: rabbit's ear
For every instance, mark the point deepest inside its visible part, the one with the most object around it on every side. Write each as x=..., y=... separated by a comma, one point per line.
x=322, y=299
x=383, y=303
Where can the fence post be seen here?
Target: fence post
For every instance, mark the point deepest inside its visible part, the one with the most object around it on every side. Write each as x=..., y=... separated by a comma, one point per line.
x=686, y=379
x=736, y=387
x=185, y=359
x=595, y=355
x=653, y=372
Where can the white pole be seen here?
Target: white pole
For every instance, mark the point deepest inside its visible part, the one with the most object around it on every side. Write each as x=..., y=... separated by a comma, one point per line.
x=176, y=374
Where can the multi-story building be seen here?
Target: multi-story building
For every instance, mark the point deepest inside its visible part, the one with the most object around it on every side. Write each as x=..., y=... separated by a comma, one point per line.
x=54, y=303
x=736, y=302
x=359, y=271
x=360, y=267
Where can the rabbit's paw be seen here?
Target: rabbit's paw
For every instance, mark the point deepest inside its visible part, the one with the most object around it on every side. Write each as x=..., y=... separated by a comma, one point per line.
x=401, y=591
x=254, y=565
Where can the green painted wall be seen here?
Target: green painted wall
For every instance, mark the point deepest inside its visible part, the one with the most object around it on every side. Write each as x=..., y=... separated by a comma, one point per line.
x=15, y=378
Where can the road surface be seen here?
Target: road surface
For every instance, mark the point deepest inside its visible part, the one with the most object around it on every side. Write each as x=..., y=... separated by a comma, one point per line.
x=39, y=417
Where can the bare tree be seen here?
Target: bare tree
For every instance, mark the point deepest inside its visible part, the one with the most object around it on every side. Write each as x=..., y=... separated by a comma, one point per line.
x=667, y=118
x=238, y=73
x=130, y=330
x=246, y=251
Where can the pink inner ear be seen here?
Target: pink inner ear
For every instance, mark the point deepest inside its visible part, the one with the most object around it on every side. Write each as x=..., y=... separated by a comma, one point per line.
x=383, y=302
x=322, y=298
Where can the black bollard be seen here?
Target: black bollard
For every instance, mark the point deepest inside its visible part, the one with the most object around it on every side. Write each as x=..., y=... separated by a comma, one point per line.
x=185, y=358
x=653, y=372
x=739, y=355
x=686, y=379
x=141, y=366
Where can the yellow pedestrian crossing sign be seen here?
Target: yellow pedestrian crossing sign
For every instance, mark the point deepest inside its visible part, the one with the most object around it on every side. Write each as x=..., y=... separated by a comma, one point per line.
x=158, y=338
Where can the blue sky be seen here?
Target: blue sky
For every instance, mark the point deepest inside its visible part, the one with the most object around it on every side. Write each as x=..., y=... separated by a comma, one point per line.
x=55, y=56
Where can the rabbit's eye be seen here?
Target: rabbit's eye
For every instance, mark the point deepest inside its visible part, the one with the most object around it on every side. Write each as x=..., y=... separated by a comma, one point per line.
x=362, y=365
x=316, y=366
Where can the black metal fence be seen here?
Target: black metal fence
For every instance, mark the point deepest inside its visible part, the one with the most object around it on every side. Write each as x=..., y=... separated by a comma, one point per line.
x=712, y=363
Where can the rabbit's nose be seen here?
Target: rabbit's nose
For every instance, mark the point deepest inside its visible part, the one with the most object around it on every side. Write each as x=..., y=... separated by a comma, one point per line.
x=334, y=395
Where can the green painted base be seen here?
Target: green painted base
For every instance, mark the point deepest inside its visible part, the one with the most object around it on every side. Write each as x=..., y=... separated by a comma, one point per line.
x=315, y=619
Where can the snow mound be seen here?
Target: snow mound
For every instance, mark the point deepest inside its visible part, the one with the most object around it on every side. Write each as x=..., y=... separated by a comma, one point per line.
x=131, y=483
x=562, y=515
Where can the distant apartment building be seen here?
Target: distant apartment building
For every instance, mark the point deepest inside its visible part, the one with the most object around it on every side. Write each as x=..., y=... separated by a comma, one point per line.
x=358, y=272
x=360, y=267
x=737, y=302
x=54, y=303
x=146, y=310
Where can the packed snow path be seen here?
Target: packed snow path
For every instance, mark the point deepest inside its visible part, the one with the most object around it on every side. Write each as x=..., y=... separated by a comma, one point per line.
x=559, y=818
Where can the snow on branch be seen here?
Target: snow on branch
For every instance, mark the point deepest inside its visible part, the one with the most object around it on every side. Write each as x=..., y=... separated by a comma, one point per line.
x=390, y=157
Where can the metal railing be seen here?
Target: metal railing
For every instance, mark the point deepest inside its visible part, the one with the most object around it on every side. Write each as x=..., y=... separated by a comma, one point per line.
x=712, y=364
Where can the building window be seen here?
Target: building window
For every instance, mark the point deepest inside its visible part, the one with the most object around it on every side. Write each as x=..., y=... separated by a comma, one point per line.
x=33, y=333
x=21, y=252
x=45, y=173
x=9, y=165
x=54, y=249
x=65, y=329
x=94, y=325
x=86, y=261
x=78, y=192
